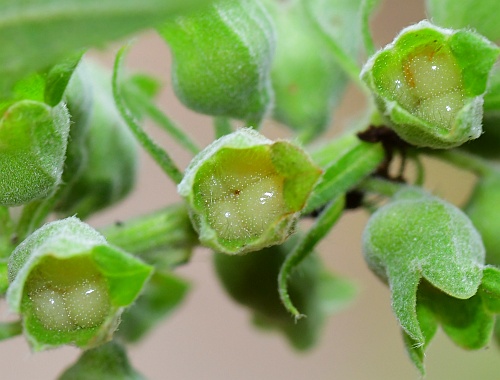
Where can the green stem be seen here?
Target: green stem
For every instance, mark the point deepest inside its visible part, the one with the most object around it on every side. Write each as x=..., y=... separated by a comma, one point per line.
x=463, y=160
x=157, y=153
x=318, y=231
x=381, y=186
x=167, y=232
x=222, y=126
x=163, y=121
x=367, y=8
x=346, y=162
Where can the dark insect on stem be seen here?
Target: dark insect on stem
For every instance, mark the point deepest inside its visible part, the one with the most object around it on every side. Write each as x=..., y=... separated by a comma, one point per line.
x=391, y=142
x=354, y=199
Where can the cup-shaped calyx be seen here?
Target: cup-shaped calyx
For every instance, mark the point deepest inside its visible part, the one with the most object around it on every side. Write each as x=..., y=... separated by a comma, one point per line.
x=245, y=191
x=429, y=83
x=33, y=139
x=70, y=286
x=419, y=236
x=222, y=59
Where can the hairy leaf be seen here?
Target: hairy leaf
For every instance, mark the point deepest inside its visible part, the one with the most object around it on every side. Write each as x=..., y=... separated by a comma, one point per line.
x=38, y=33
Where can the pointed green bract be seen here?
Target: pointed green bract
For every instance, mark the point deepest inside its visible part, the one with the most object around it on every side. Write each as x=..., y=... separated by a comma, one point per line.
x=429, y=84
x=222, y=59
x=436, y=242
x=245, y=191
x=33, y=139
x=70, y=286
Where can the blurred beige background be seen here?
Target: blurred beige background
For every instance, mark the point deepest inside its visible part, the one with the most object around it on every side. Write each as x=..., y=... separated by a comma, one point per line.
x=211, y=338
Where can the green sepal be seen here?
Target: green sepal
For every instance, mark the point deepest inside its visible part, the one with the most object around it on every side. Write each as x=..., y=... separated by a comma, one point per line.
x=469, y=323
x=125, y=274
x=34, y=138
x=49, y=270
x=110, y=152
x=58, y=78
x=437, y=242
x=162, y=295
x=428, y=326
x=245, y=192
x=304, y=99
x=108, y=361
x=222, y=59
x=251, y=280
x=429, y=84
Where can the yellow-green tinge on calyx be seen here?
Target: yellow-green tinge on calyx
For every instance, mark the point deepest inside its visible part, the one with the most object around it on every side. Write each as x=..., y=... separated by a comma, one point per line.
x=429, y=84
x=245, y=192
x=67, y=295
x=432, y=85
x=245, y=197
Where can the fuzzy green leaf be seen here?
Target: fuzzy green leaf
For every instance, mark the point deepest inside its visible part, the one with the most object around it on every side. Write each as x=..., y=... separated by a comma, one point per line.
x=38, y=33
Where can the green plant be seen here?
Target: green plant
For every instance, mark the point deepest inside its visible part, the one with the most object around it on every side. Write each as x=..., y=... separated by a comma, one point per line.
x=70, y=132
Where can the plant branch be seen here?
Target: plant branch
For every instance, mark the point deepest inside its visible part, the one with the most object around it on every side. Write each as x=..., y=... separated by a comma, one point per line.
x=161, y=157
